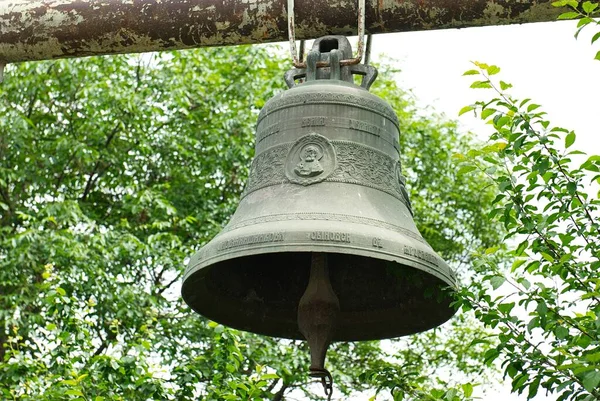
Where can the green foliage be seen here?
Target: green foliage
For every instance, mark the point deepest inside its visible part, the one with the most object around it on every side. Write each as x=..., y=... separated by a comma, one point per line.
x=545, y=304
x=114, y=170
x=587, y=12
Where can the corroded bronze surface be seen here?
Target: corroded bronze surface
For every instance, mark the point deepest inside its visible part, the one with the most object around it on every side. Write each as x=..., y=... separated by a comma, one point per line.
x=36, y=30
x=326, y=179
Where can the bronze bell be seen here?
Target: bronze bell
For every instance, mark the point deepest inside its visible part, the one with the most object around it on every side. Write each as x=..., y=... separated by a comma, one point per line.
x=325, y=190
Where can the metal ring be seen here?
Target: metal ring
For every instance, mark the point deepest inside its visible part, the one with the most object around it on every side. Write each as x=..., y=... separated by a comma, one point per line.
x=292, y=36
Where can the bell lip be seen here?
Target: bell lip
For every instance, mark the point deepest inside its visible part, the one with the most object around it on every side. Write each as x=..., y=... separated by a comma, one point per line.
x=449, y=278
x=339, y=336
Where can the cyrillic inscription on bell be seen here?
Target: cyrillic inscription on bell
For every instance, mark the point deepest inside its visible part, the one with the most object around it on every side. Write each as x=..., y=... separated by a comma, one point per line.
x=325, y=202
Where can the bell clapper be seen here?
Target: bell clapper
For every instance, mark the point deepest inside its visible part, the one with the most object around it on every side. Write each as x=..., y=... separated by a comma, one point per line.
x=318, y=312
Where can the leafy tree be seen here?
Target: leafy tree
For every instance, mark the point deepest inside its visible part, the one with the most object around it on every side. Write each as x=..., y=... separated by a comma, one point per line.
x=113, y=170
x=544, y=303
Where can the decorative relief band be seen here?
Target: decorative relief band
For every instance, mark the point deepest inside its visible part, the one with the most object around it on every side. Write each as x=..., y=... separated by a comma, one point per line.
x=314, y=159
x=303, y=99
x=345, y=218
x=362, y=165
x=268, y=168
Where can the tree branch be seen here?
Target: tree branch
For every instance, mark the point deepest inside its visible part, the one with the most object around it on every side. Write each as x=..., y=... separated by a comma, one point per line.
x=278, y=396
x=92, y=180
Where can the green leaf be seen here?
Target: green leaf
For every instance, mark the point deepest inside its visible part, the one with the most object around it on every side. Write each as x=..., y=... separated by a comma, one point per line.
x=486, y=113
x=568, y=15
x=465, y=109
x=589, y=7
x=490, y=356
x=471, y=72
x=497, y=281
x=595, y=37
x=533, y=388
x=561, y=332
x=597, y=56
x=517, y=263
x=491, y=250
x=493, y=70
x=582, y=23
x=570, y=139
x=523, y=102
x=563, y=3
x=481, y=85
x=61, y=291
x=506, y=307
x=524, y=282
x=542, y=308
x=467, y=389
x=533, y=323
x=74, y=392
x=450, y=394
x=594, y=358
x=591, y=380
x=466, y=169
x=504, y=85
x=547, y=256
x=500, y=121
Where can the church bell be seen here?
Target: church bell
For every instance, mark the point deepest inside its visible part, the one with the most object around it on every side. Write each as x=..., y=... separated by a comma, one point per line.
x=323, y=245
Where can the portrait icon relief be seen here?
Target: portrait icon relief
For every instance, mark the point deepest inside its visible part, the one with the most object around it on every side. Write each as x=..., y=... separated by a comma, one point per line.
x=309, y=165
x=311, y=159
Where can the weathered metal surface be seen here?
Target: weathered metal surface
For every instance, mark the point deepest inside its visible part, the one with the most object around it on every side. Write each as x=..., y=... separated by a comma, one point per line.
x=36, y=29
x=326, y=179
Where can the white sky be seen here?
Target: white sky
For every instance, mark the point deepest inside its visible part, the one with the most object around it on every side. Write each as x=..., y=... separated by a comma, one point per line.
x=543, y=61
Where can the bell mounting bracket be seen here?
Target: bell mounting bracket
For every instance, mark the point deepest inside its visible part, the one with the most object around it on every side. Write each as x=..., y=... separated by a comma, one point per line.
x=326, y=61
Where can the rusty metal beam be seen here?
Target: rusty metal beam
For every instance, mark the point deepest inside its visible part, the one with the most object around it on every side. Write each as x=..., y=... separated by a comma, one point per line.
x=48, y=29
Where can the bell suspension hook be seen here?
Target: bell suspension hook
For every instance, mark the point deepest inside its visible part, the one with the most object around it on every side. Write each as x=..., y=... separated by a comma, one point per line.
x=318, y=313
x=300, y=63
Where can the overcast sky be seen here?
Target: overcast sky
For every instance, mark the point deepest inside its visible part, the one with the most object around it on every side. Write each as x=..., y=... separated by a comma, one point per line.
x=543, y=61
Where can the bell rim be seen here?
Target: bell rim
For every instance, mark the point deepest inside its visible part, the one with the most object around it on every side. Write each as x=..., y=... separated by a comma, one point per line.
x=448, y=279
x=199, y=273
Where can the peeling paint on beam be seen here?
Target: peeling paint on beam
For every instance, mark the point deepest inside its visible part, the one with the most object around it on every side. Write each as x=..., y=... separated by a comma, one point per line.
x=48, y=29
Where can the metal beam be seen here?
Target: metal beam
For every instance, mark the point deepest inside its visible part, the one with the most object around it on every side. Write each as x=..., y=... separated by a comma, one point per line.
x=48, y=29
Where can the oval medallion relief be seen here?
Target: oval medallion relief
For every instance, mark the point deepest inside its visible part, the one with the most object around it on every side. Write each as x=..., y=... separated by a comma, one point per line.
x=310, y=160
